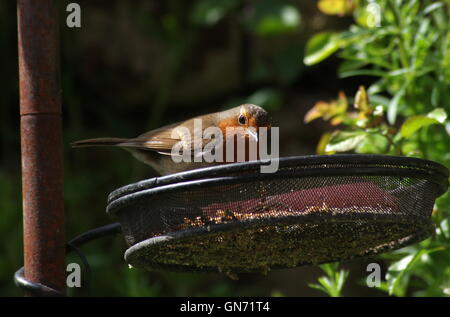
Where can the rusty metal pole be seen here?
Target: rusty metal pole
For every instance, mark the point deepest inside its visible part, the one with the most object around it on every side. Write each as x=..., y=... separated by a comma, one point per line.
x=41, y=142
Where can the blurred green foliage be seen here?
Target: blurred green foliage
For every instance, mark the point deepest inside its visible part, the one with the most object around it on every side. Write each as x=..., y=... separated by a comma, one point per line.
x=404, y=112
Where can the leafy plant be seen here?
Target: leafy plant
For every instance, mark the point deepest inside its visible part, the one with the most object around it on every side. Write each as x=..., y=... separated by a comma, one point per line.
x=333, y=282
x=405, y=47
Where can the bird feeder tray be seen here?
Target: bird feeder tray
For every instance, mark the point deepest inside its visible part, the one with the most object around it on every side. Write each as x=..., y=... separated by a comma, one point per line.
x=314, y=209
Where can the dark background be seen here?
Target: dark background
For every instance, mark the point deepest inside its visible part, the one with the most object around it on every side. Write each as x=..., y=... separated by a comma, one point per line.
x=137, y=65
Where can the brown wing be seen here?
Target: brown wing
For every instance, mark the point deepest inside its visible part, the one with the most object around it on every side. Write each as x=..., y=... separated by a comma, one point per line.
x=163, y=139
x=159, y=140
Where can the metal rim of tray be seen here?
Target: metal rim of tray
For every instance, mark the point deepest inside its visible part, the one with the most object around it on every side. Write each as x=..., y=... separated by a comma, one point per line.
x=374, y=165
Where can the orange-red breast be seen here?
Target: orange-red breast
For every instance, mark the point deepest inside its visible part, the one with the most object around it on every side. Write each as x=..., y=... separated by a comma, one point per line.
x=154, y=147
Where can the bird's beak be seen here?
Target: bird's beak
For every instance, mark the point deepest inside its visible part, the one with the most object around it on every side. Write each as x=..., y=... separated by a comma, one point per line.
x=253, y=134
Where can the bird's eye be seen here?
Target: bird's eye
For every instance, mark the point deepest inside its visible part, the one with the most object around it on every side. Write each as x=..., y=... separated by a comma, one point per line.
x=242, y=119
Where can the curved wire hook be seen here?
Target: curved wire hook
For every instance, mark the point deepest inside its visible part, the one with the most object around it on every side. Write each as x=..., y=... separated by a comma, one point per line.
x=73, y=245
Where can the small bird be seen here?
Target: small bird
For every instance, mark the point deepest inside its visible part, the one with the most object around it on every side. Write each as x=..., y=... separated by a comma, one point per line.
x=155, y=147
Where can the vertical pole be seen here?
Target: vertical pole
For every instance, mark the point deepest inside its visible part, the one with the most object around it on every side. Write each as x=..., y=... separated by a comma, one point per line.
x=41, y=142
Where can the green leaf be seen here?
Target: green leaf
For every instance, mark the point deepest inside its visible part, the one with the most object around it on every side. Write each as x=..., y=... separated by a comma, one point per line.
x=343, y=141
x=366, y=16
x=373, y=143
x=324, y=139
x=342, y=276
x=400, y=71
x=445, y=227
x=378, y=99
x=438, y=114
x=393, y=106
x=318, y=287
x=362, y=72
x=396, y=272
x=414, y=123
x=321, y=46
x=330, y=268
x=435, y=96
x=325, y=282
x=432, y=7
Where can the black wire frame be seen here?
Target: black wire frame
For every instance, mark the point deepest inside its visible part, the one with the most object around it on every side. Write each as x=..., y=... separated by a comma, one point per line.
x=309, y=162
x=311, y=166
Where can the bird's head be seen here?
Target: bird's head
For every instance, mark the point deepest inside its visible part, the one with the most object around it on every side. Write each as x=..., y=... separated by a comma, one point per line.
x=247, y=116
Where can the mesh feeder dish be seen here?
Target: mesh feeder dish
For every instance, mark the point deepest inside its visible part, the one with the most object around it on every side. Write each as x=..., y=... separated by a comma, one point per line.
x=314, y=209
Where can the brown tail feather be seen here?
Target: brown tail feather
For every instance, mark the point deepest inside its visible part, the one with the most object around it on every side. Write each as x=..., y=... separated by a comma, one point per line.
x=98, y=142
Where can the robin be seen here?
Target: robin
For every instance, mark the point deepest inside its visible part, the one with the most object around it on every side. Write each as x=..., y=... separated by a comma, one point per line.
x=155, y=147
